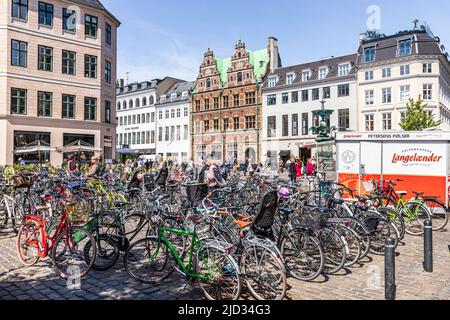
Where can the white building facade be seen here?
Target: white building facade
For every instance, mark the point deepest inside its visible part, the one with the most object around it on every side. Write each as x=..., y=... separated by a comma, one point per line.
x=394, y=69
x=173, y=124
x=291, y=94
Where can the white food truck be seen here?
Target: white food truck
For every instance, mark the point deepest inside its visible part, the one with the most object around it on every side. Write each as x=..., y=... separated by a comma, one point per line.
x=420, y=159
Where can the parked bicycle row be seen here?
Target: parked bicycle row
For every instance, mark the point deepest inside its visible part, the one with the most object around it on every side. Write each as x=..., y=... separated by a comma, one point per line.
x=237, y=236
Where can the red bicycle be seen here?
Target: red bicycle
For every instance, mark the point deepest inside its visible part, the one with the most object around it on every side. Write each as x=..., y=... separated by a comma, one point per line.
x=65, y=245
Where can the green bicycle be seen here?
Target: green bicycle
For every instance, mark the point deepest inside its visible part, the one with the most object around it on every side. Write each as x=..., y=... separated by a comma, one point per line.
x=154, y=259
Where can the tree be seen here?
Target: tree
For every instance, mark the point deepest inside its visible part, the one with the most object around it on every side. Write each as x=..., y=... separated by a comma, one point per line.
x=417, y=119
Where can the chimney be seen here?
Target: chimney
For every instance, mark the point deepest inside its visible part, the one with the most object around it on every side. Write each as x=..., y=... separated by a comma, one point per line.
x=122, y=83
x=275, y=61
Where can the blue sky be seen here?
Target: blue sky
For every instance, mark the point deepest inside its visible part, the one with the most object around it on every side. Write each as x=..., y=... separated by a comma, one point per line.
x=160, y=38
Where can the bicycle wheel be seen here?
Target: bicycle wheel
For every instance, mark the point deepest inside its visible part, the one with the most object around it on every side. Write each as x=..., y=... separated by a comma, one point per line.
x=303, y=255
x=384, y=229
x=363, y=235
x=220, y=274
x=415, y=214
x=395, y=217
x=263, y=273
x=107, y=252
x=439, y=213
x=149, y=261
x=68, y=254
x=353, y=247
x=28, y=242
x=334, y=247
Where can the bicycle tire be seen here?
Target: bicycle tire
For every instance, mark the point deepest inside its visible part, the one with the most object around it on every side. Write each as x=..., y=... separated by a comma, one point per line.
x=334, y=250
x=398, y=220
x=104, y=259
x=439, y=213
x=29, y=229
x=414, y=225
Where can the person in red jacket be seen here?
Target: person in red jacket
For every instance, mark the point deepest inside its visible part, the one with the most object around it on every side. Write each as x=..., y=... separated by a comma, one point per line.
x=310, y=168
x=298, y=168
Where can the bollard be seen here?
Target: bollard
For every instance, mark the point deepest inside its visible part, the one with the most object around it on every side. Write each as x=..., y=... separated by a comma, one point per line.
x=428, y=246
x=389, y=269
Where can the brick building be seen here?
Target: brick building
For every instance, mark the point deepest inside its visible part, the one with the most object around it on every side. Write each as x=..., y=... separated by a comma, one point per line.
x=226, y=103
x=57, y=76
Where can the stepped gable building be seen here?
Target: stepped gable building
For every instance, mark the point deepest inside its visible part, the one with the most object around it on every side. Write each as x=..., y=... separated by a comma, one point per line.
x=57, y=76
x=392, y=69
x=226, y=103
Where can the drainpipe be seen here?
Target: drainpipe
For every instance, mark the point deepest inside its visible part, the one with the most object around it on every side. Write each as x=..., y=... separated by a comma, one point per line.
x=258, y=148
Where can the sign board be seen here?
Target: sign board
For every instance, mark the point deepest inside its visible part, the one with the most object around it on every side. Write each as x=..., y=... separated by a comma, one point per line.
x=395, y=136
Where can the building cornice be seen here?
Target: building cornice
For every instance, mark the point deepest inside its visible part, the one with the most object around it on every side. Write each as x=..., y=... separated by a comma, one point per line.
x=312, y=83
x=13, y=75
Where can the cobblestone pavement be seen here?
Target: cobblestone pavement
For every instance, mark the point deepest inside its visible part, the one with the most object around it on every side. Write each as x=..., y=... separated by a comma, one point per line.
x=365, y=281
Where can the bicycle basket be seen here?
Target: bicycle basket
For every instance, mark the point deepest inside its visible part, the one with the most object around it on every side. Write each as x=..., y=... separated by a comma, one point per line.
x=317, y=218
x=110, y=218
x=20, y=181
x=79, y=212
x=326, y=189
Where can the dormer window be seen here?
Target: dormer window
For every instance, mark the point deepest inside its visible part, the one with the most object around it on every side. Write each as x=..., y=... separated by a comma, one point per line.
x=273, y=81
x=173, y=97
x=369, y=54
x=306, y=75
x=290, y=77
x=404, y=48
x=323, y=72
x=344, y=69
x=185, y=95
x=163, y=98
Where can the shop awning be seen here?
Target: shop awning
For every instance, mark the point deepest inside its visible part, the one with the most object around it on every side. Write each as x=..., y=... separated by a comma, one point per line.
x=285, y=153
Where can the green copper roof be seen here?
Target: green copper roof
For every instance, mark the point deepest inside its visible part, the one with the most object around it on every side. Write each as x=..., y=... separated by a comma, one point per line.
x=258, y=59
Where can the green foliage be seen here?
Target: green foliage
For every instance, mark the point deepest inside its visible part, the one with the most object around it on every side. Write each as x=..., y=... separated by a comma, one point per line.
x=417, y=119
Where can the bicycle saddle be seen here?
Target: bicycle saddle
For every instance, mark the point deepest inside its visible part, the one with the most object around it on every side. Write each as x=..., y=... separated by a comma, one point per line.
x=401, y=193
x=418, y=193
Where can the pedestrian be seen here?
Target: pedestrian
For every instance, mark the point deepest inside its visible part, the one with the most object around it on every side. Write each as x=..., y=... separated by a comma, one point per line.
x=291, y=170
x=299, y=168
x=310, y=168
x=94, y=169
x=21, y=162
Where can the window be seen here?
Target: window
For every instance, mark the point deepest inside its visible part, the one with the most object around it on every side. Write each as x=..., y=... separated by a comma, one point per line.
x=226, y=124
x=20, y=9
x=134, y=119
x=369, y=75
x=323, y=72
x=315, y=94
x=285, y=126
x=108, y=73
x=343, y=90
x=45, y=14
x=236, y=123
x=91, y=25
x=404, y=47
x=386, y=95
x=172, y=133
x=19, y=51
x=131, y=104
x=344, y=69
x=208, y=83
x=68, y=106
x=186, y=111
x=160, y=114
x=290, y=78
x=306, y=75
x=107, y=111
x=250, y=122
x=206, y=126
x=206, y=102
x=273, y=81
x=18, y=101
x=172, y=113
x=370, y=122
x=124, y=105
x=236, y=100
x=152, y=117
x=326, y=93
x=197, y=106
x=344, y=119
x=152, y=100
x=386, y=73
x=295, y=125
x=90, y=67
x=167, y=134
x=225, y=101
x=167, y=114
x=144, y=101
x=108, y=33
x=69, y=62
x=216, y=124
x=178, y=133
x=45, y=104
x=369, y=97
x=387, y=121
x=369, y=54
x=186, y=132
x=294, y=96
x=285, y=98
x=160, y=134
x=404, y=70
x=118, y=106
x=427, y=92
x=45, y=58
x=178, y=113
x=250, y=98
x=216, y=103
x=69, y=20
x=305, y=124
x=405, y=93
x=305, y=95
x=427, y=68
x=239, y=77
x=271, y=99
x=152, y=137
x=90, y=109
x=271, y=127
